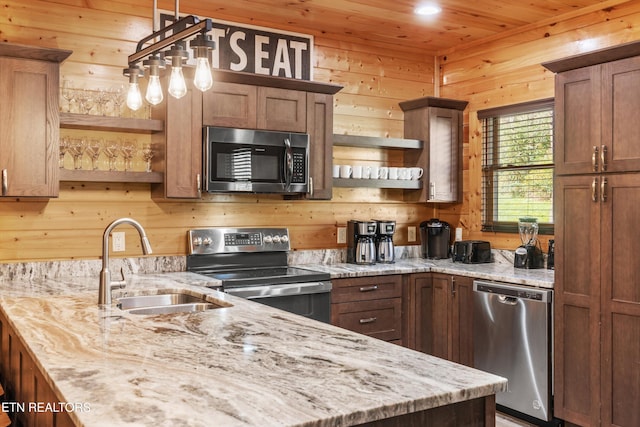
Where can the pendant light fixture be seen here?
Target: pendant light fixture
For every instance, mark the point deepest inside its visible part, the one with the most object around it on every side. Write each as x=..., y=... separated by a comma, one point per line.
x=167, y=48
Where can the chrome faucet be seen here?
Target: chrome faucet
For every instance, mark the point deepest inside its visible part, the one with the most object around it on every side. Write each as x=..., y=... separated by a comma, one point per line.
x=106, y=286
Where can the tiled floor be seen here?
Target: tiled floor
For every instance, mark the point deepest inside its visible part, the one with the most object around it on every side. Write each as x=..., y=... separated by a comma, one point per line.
x=504, y=420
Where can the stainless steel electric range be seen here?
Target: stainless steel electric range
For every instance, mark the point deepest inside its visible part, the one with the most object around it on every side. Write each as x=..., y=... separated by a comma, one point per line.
x=252, y=263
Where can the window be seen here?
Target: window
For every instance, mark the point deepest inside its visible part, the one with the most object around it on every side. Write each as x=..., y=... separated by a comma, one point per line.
x=517, y=166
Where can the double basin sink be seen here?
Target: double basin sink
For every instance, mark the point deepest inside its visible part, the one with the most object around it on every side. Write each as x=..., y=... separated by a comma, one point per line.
x=171, y=302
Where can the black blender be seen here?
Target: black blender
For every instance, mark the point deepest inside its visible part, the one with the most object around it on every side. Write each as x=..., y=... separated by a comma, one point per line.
x=529, y=254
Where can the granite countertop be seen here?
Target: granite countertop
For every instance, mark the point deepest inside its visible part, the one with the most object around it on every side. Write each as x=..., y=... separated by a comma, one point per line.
x=501, y=270
x=245, y=365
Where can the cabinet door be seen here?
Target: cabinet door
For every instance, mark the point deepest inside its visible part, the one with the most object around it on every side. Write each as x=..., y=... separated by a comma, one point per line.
x=621, y=103
x=620, y=300
x=420, y=318
x=182, y=142
x=282, y=109
x=30, y=127
x=445, y=145
x=577, y=121
x=462, y=320
x=320, y=130
x=577, y=299
x=230, y=105
x=441, y=320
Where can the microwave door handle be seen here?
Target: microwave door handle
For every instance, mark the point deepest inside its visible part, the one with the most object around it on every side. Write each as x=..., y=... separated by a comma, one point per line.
x=288, y=163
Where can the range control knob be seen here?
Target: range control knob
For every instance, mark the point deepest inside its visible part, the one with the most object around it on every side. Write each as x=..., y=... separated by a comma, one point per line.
x=197, y=241
x=207, y=241
x=284, y=238
x=276, y=239
x=268, y=239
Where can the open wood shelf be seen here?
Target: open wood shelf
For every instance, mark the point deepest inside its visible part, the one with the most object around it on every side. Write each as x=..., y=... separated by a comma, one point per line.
x=372, y=141
x=378, y=183
x=110, y=176
x=113, y=124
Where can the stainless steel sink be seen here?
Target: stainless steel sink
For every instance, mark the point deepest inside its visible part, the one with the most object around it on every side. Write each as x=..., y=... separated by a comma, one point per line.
x=169, y=303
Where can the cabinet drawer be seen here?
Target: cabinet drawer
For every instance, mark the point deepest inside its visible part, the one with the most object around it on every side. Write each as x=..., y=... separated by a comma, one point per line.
x=378, y=318
x=366, y=288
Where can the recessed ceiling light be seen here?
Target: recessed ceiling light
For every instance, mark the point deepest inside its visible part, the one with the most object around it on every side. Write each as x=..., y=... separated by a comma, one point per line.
x=427, y=9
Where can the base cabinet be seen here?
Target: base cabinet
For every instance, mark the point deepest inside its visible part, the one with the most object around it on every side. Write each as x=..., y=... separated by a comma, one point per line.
x=369, y=305
x=25, y=385
x=440, y=311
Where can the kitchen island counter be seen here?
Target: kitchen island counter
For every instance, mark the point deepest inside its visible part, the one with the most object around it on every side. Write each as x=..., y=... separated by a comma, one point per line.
x=245, y=365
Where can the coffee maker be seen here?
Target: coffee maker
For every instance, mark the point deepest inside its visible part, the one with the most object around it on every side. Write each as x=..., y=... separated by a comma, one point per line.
x=361, y=247
x=384, y=241
x=436, y=239
x=529, y=254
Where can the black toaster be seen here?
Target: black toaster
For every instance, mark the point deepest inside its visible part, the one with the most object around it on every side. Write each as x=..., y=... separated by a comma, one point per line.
x=472, y=251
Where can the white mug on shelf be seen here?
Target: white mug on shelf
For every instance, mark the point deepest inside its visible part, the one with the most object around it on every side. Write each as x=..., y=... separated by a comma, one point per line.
x=404, y=173
x=357, y=171
x=336, y=171
x=384, y=172
x=374, y=172
x=393, y=173
x=416, y=173
x=345, y=171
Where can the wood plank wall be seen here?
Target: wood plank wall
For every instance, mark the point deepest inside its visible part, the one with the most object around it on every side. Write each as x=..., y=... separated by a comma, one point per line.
x=506, y=70
x=102, y=34
x=497, y=71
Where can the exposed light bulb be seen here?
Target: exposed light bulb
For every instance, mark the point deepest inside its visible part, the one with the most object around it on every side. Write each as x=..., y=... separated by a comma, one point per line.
x=203, y=79
x=134, y=97
x=154, y=91
x=177, y=85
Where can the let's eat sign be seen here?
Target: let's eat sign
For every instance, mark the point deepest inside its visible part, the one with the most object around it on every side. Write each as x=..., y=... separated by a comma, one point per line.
x=258, y=50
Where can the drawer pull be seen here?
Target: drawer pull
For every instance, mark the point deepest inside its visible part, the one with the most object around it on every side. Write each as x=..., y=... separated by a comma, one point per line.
x=369, y=288
x=369, y=320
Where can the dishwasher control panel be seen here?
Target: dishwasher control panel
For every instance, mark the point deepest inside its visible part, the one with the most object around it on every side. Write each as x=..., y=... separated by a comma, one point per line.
x=514, y=291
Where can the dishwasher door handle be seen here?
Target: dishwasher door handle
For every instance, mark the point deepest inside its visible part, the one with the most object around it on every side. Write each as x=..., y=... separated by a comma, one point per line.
x=507, y=300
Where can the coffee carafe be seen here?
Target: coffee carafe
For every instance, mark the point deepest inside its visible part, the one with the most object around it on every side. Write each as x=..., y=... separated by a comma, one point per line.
x=384, y=241
x=529, y=254
x=361, y=247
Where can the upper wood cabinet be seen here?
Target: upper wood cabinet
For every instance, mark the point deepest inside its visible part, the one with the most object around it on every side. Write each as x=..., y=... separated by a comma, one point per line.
x=179, y=148
x=29, y=146
x=249, y=101
x=596, y=126
x=437, y=122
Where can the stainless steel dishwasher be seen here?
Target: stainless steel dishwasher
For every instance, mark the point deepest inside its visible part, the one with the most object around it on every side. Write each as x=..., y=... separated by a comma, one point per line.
x=513, y=338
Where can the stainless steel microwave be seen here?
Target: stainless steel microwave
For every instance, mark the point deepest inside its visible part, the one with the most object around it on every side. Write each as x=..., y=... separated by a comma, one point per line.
x=255, y=161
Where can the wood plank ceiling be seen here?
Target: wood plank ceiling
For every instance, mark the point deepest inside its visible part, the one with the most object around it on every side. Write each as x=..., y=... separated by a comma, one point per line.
x=392, y=22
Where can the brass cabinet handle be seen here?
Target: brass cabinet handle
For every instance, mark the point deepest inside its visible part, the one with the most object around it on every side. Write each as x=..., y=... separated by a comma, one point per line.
x=453, y=286
x=311, y=186
x=594, y=190
x=5, y=182
x=199, y=185
x=369, y=288
x=594, y=158
x=369, y=320
x=603, y=157
x=603, y=190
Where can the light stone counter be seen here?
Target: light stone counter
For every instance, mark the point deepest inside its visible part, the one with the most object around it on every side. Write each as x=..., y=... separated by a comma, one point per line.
x=501, y=270
x=245, y=365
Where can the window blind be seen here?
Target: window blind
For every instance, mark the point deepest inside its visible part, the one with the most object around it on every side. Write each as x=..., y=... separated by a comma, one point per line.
x=517, y=166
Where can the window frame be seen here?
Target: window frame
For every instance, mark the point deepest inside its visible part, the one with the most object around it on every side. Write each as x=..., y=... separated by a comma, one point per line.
x=487, y=189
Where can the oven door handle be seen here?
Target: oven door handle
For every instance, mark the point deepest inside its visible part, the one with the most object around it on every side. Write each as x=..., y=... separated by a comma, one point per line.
x=273, y=291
